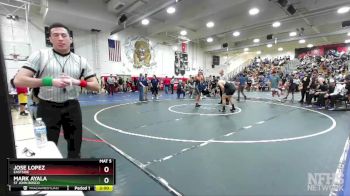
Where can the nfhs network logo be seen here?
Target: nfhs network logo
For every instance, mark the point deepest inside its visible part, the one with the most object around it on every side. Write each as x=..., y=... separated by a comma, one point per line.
x=325, y=182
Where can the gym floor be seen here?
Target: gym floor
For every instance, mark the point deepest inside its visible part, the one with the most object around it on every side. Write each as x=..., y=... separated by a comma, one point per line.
x=168, y=146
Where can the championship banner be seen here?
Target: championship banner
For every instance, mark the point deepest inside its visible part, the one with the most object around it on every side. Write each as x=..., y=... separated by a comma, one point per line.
x=184, y=47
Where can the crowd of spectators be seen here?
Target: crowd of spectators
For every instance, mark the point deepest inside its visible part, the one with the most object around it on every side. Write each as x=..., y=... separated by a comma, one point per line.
x=322, y=80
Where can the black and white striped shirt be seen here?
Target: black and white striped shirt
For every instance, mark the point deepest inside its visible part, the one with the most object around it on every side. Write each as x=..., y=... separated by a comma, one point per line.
x=53, y=64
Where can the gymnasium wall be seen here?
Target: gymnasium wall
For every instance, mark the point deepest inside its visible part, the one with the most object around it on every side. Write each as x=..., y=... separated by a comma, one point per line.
x=94, y=47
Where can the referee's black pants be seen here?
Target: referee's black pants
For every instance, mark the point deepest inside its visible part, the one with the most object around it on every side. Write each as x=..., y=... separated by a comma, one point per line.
x=67, y=115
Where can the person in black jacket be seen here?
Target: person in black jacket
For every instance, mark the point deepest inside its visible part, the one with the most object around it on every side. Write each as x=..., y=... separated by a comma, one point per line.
x=305, y=82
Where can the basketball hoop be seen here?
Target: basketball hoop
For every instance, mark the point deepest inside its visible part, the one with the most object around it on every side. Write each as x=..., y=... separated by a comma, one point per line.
x=15, y=56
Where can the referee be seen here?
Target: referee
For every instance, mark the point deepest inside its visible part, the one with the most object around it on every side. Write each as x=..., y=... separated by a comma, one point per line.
x=57, y=72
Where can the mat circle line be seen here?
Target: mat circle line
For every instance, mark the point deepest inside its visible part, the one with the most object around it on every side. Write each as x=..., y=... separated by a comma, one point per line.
x=221, y=141
x=228, y=113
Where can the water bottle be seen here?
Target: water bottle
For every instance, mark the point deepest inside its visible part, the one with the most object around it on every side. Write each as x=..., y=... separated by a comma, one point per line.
x=40, y=132
x=72, y=91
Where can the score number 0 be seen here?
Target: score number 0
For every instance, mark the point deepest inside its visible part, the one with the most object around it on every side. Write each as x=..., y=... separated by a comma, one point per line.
x=106, y=170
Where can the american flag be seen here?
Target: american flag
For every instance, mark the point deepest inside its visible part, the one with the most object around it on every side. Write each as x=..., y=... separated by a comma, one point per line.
x=114, y=50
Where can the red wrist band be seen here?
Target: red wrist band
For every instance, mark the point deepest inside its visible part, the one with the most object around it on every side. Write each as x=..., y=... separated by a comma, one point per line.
x=83, y=83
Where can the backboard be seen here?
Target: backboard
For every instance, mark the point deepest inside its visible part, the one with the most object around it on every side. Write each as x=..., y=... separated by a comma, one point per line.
x=17, y=51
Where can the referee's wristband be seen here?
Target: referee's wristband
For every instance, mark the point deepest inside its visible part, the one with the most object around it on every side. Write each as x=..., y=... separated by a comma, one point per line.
x=83, y=83
x=47, y=81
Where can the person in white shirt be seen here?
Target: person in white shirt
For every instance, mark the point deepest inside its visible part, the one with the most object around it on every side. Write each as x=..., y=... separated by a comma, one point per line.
x=59, y=74
x=110, y=82
x=338, y=93
x=172, y=82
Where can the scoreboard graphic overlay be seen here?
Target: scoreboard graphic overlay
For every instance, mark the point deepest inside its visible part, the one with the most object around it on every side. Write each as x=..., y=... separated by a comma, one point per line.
x=61, y=174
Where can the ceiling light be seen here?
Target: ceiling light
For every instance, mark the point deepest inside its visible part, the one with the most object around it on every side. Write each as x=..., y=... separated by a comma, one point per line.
x=210, y=24
x=183, y=32
x=256, y=40
x=209, y=39
x=254, y=11
x=170, y=10
x=276, y=24
x=310, y=45
x=246, y=49
x=347, y=41
x=236, y=33
x=280, y=49
x=302, y=41
x=258, y=52
x=145, y=22
x=269, y=45
x=114, y=37
x=292, y=34
x=343, y=10
x=349, y=34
